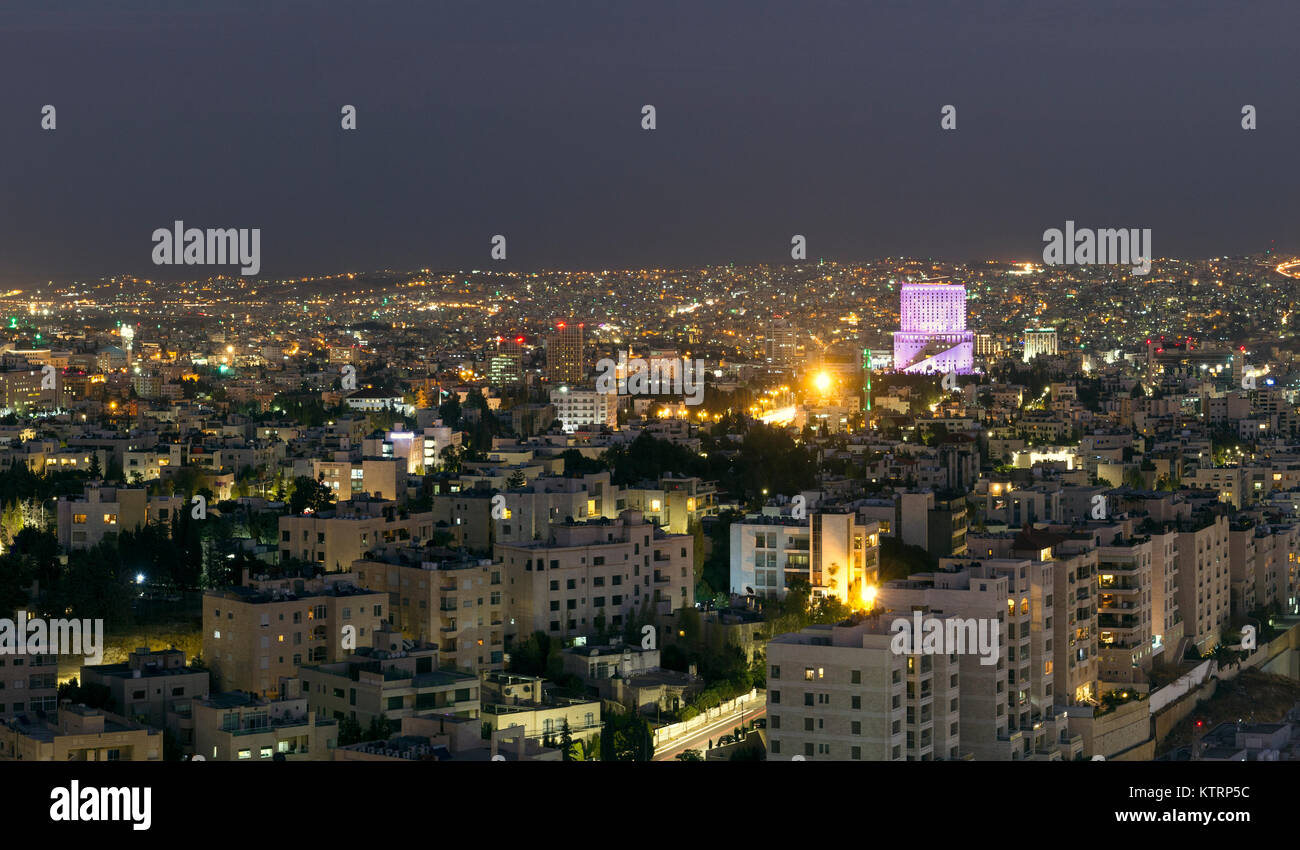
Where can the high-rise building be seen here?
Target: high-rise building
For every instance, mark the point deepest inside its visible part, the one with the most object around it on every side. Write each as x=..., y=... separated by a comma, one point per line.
x=933, y=338
x=781, y=346
x=565, y=363
x=505, y=364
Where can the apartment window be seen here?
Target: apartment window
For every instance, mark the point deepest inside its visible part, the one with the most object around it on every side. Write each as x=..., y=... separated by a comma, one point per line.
x=855, y=753
x=856, y=727
x=807, y=724
x=807, y=698
x=245, y=754
x=855, y=702
x=776, y=697
x=808, y=673
x=776, y=721
x=555, y=585
x=855, y=677
x=776, y=671
x=571, y=584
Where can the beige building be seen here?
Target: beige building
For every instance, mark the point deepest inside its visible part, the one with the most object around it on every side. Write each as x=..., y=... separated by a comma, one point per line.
x=253, y=636
x=1204, y=580
x=835, y=553
x=28, y=683
x=238, y=726
x=149, y=685
x=79, y=734
x=673, y=503
x=589, y=577
x=840, y=693
x=84, y=522
x=392, y=684
x=523, y=701
x=337, y=538
x=1004, y=707
x=455, y=603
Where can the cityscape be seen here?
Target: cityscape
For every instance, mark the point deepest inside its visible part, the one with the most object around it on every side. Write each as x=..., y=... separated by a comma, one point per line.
x=606, y=386
x=411, y=492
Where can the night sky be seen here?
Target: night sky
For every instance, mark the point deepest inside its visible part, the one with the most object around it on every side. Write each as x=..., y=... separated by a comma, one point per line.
x=523, y=118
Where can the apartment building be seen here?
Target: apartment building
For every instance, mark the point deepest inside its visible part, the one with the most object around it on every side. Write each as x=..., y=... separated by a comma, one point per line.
x=1204, y=579
x=238, y=726
x=673, y=503
x=935, y=522
x=1004, y=707
x=585, y=578
x=79, y=733
x=584, y=409
x=149, y=684
x=454, y=602
x=1124, y=606
x=336, y=538
x=28, y=683
x=523, y=701
x=404, y=683
x=834, y=552
x=1242, y=556
x=85, y=521
x=253, y=636
x=840, y=693
x=1073, y=647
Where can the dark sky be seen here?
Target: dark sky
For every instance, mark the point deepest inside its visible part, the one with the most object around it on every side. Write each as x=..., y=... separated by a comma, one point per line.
x=523, y=118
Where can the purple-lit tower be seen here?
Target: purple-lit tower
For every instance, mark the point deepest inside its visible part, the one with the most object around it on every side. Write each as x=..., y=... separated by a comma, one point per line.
x=933, y=338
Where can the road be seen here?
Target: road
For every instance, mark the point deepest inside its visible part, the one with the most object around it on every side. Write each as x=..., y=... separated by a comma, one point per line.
x=699, y=740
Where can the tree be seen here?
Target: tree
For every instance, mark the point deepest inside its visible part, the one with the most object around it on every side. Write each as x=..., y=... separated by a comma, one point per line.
x=349, y=731
x=626, y=736
x=566, y=740
x=310, y=494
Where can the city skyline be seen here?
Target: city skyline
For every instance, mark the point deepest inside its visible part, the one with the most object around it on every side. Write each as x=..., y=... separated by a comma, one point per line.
x=499, y=127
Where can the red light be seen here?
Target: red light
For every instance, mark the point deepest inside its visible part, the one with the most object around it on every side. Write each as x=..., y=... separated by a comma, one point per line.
x=559, y=325
x=1160, y=351
x=519, y=340
x=1200, y=723
x=1243, y=348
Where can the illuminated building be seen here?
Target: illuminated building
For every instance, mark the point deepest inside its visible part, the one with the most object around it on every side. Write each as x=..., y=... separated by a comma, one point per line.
x=933, y=338
x=834, y=553
x=1039, y=341
x=564, y=354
